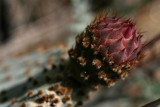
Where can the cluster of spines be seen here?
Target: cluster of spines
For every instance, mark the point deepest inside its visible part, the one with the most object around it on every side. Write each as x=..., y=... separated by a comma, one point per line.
x=83, y=61
x=55, y=95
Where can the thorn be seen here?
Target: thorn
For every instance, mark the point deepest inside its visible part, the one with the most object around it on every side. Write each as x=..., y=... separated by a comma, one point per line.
x=40, y=92
x=94, y=38
x=51, y=96
x=44, y=98
x=124, y=74
x=95, y=52
x=83, y=73
x=14, y=100
x=23, y=104
x=111, y=62
x=86, y=42
x=105, y=79
x=86, y=77
x=97, y=63
x=95, y=86
x=30, y=93
x=56, y=100
x=109, y=10
x=56, y=86
x=119, y=71
x=110, y=82
x=62, y=91
x=79, y=38
x=93, y=46
x=128, y=65
x=116, y=13
x=74, y=56
x=102, y=75
x=115, y=69
x=69, y=105
x=82, y=60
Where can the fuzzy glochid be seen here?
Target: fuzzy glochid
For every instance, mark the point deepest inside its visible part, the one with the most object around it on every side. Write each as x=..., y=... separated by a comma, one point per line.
x=106, y=51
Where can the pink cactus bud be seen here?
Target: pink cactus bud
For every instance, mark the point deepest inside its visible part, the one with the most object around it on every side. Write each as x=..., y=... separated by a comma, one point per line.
x=118, y=38
x=110, y=47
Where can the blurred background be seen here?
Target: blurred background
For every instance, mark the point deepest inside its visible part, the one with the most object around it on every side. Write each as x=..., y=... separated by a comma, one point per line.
x=26, y=25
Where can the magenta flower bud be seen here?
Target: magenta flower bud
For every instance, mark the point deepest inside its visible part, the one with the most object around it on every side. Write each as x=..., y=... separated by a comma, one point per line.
x=106, y=51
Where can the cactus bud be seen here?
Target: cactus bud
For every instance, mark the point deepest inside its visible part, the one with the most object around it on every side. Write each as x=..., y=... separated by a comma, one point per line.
x=106, y=51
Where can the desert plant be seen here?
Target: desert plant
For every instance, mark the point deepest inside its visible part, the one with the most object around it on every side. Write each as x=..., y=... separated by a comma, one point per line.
x=105, y=52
